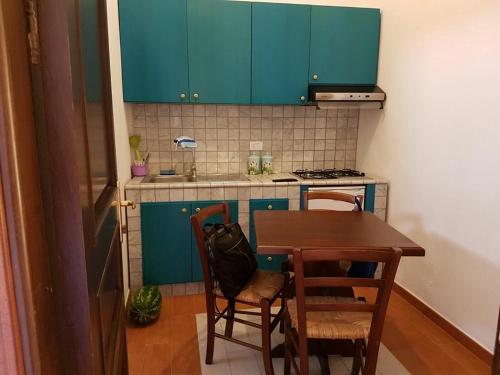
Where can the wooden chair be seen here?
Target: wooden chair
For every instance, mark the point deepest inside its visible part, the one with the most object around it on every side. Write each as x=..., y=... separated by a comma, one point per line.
x=262, y=291
x=357, y=200
x=333, y=318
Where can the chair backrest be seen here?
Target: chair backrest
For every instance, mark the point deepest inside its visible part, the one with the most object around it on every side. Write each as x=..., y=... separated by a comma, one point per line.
x=197, y=222
x=356, y=200
x=389, y=256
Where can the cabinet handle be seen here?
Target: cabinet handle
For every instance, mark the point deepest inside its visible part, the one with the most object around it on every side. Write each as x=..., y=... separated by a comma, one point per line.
x=270, y=207
x=195, y=95
x=183, y=96
x=302, y=98
x=269, y=259
x=197, y=209
x=184, y=209
x=315, y=76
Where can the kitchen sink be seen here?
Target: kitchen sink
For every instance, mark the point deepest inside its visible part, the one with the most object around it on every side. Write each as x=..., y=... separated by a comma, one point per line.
x=181, y=178
x=166, y=179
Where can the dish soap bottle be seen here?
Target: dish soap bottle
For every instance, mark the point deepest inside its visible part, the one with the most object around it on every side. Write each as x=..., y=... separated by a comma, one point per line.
x=253, y=163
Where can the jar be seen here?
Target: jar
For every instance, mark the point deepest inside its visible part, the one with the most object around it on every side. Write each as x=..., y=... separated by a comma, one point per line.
x=267, y=163
x=253, y=163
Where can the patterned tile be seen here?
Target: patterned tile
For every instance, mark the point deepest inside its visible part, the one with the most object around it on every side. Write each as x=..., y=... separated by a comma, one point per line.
x=223, y=128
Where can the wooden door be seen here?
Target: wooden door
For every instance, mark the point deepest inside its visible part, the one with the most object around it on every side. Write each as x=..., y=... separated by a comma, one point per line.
x=344, y=45
x=219, y=45
x=71, y=83
x=280, y=53
x=154, y=50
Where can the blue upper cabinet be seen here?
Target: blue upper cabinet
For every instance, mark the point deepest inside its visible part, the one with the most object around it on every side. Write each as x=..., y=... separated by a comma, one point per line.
x=154, y=50
x=219, y=42
x=216, y=51
x=280, y=53
x=344, y=45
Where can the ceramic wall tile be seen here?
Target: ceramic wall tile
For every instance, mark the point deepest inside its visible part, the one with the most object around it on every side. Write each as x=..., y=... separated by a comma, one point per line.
x=229, y=128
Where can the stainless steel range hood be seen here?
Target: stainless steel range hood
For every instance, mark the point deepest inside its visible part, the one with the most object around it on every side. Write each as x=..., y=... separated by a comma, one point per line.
x=341, y=97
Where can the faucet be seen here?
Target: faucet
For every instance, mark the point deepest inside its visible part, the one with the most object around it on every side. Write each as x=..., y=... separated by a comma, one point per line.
x=188, y=142
x=193, y=174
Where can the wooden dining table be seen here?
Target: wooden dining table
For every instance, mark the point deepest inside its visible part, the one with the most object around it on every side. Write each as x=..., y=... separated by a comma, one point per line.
x=279, y=232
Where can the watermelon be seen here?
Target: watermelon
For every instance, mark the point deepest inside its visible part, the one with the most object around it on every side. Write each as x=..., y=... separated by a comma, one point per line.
x=145, y=305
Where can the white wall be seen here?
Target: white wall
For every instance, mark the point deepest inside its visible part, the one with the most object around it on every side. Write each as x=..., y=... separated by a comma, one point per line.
x=121, y=112
x=438, y=142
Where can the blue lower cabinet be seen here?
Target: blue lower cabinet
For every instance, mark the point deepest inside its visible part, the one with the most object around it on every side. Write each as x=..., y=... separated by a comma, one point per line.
x=370, y=198
x=268, y=262
x=166, y=242
x=197, y=272
x=169, y=251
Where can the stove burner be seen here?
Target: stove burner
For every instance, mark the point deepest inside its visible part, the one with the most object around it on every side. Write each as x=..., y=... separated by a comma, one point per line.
x=323, y=174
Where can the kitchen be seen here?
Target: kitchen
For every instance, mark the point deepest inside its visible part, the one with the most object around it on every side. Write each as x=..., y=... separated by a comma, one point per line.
x=308, y=137
x=251, y=111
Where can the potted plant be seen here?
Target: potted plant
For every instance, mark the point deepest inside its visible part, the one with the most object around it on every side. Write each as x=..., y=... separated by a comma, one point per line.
x=140, y=165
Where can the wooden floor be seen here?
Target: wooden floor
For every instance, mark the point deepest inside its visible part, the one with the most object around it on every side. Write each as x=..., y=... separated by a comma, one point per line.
x=170, y=345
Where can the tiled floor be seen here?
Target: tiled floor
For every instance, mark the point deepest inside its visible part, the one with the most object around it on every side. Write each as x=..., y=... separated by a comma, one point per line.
x=232, y=359
x=170, y=346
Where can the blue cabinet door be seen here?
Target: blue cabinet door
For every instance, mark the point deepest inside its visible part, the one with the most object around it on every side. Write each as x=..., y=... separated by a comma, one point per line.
x=268, y=262
x=197, y=272
x=166, y=242
x=154, y=50
x=280, y=53
x=369, y=198
x=219, y=43
x=344, y=45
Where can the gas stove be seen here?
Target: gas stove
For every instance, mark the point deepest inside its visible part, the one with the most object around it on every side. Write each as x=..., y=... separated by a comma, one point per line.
x=323, y=174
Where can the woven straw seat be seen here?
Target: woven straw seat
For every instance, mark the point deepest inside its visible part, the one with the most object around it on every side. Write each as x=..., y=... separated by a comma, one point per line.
x=263, y=284
x=332, y=324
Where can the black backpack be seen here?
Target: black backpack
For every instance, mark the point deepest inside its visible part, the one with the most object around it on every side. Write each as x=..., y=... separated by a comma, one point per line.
x=230, y=257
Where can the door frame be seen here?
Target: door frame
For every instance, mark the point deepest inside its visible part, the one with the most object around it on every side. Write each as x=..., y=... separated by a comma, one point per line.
x=25, y=251
x=45, y=183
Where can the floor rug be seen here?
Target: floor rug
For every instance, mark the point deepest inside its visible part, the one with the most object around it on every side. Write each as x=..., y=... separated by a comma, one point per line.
x=233, y=359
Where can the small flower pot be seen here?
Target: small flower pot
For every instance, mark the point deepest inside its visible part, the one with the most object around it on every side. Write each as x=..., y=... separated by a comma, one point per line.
x=140, y=170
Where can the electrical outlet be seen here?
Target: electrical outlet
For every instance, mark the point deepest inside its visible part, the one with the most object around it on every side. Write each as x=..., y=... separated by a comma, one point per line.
x=256, y=146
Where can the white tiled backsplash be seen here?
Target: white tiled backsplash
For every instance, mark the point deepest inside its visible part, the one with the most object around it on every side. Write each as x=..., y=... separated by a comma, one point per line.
x=297, y=136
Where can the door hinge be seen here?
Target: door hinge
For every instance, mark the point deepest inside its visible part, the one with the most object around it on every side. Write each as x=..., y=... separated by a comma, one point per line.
x=33, y=37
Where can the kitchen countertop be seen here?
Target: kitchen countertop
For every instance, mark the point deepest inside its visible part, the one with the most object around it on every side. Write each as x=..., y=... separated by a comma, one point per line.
x=254, y=180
